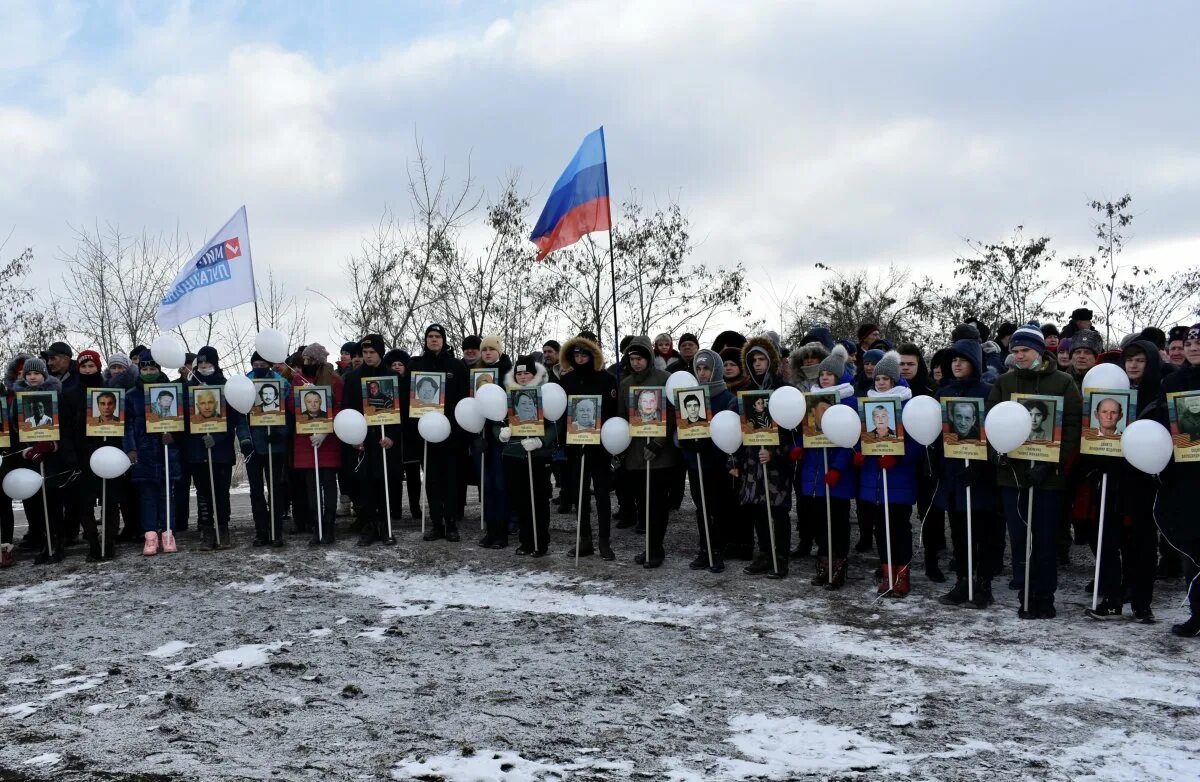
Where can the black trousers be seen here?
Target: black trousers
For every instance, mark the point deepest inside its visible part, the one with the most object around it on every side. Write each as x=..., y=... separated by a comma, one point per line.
x=596, y=483
x=371, y=505
x=813, y=509
x=677, y=479
x=412, y=484
x=659, y=507
x=441, y=483
x=182, y=509
x=258, y=472
x=987, y=543
x=97, y=490
x=329, y=497
x=1129, y=558
x=933, y=524
x=530, y=511
x=780, y=518
x=36, y=516
x=900, y=522
x=719, y=499
x=347, y=480
x=208, y=506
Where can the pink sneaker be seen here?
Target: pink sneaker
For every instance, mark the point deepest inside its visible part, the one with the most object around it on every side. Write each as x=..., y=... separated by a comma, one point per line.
x=168, y=543
x=151, y=547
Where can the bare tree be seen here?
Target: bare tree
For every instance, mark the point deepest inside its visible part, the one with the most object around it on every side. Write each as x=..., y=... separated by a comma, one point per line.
x=1159, y=302
x=28, y=323
x=1009, y=280
x=1099, y=277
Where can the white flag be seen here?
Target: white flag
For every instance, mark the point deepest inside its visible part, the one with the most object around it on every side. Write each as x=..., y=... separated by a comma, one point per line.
x=218, y=277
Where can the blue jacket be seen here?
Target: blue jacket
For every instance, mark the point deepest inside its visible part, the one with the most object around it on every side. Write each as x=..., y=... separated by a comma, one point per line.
x=704, y=452
x=149, y=447
x=280, y=441
x=902, y=479
x=810, y=477
x=951, y=493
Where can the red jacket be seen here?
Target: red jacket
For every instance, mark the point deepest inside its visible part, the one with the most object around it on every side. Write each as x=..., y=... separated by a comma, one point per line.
x=330, y=452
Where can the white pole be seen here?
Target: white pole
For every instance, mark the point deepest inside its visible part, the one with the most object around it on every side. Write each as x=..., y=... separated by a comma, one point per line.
x=1028, y=544
x=271, y=485
x=103, y=516
x=970, y=544
x=770, y=519
x=387, y=492
x=532, y=500
x=1099, y=539
x=828, y=520
x=579, y=507
x=167, y=485
x=212, y=498
x=425, y=486
x=320, y=507
x=887, y=531
x=46, y=512
x=482, y=483
x=704, y=510
x=647, y=513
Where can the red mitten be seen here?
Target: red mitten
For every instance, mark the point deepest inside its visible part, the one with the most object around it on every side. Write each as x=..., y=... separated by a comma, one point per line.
x=858, y=459
x=797, y=453
x=38, y=451
x=888, y=462
x=832, y=477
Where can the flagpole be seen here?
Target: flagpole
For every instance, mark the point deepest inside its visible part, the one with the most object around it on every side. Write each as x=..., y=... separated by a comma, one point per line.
x=254, y=283
x=612, y=265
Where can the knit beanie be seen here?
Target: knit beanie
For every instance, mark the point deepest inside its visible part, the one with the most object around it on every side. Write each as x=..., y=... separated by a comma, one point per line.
x=1008, y=329
x=471, y=342
x=375, y=342
x=88, y=355
x=315, y=354
x=119, y=360
x=834, y=363
x=1028, y=336
x=865, y=330
x=1151, y=334
x=552, y=343
x=208, y=353
x=34, y=365
x=889, y=366
x=963, y=331
x=872, y=356
x=1050, y=330
x=689, y=337
x=708, y=358
x=352, y=348
x=1087, y=339
x=491, y=341
x=59, y=349
x=435, y=328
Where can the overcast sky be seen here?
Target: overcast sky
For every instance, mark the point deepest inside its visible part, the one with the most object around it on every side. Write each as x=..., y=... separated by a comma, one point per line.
x=853, y=133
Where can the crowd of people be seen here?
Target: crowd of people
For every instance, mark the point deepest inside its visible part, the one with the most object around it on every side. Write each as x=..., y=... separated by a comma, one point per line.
x=750, y=505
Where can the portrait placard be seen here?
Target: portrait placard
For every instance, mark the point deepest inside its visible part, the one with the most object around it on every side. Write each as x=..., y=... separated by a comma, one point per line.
x=208, y=413
x=758, y=427
x=37, y=417
x=164, y=408
x=1045, y=438
x=380, y=400
x=427, y=393
x=106, y=412
x=882, y=425
x=583, y=419
x=693, y=413
x=267, y=409
x=962, y=427
x=481, y=377
x=647, y=411
x=312, y=405
x=816, y=403
x=5, y=432
x=525, y=417
x=1184, y=409
x=1106, y=413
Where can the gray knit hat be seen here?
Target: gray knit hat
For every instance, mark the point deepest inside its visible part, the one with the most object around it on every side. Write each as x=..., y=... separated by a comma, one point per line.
x=889, y=366
x=835, y=362
x=34, y=365
x=1088, y=339
x=119, y=360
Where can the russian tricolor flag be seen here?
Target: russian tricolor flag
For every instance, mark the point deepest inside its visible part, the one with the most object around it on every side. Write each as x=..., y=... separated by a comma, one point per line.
x=578, y=204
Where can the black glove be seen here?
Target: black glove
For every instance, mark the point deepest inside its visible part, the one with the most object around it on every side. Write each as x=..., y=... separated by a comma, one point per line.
x=247, y=447
x=1040, y=472
x=971, y=474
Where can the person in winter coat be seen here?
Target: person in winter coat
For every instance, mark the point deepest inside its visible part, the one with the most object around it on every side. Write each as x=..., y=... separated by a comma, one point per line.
x=689, y=344
x=665, y=354
x=1086, y=347
x=707, y=467
x=864, y=381
x=212, y=496
x=1036, y=373
x=647, y=460
x=1176, y=507
x=806, y=362
x=444, y=461
x=319, y=453
x=488, y=453
x=376, y=470
x=965, y=372
x=8, y=463
x=581, y=369
x=768, y=505
x=397, y=360
x=525, y=454
x=828, y=471
x=264, y=450
x=90, y=486
x=933, y=520
x=895, y=550
x=1080, y=319
x=156, y=483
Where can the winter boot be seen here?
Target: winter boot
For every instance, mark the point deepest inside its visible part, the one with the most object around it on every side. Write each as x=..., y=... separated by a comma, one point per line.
x=168, y=543
x=839, y=575
x=1144, y=616
x=94, y=554
x=902, y=585
x=435, y=532
x=884, y=581
x=760, y=565
x=1188, y=629
x=606, y=552
x=821, y=578
x=932, y=571
x=782, y=572
x=700, y=562
x=452, y=530
x=1105, y=610
x=585, y=548
x=6, y=555
x=983, y=593
x=150, y=546
x=208, y=539
x=225, y=539
x=957, y=595
x=718, y=565
x=369, y=534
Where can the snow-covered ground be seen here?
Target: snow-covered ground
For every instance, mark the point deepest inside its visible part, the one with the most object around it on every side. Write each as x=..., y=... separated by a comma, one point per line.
x=447, y=661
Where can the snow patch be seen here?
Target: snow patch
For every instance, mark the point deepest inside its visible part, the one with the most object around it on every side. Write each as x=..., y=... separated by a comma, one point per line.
x=241, y=658
x=99, y=708
x=374, y=633
x=500, y=766
x=21, y=710
x=44, y=592
x=271, y=583
x=320, y=632
x=45, y=760
x=169, y=649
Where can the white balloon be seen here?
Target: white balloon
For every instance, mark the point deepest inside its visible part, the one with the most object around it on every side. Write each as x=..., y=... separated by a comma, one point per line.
x=554, y=401
x=22, y=483
x=272, y=345
x=841, y=424
x=614, y=435
x=434, y=427
x=469, y=416
x=680, y=380
x=726, y=431
x=108, y=462
x=1147, y=446
x=787, y=406
x=239, y=393
x=167, y=352
x=922, y=419
x=1007, y=425
x=493, y=402
x=1105, y=376
x=350, y=427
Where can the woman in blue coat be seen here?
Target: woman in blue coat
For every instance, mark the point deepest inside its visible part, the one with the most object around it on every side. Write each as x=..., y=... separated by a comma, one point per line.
x=212, y=497
x=155, y=488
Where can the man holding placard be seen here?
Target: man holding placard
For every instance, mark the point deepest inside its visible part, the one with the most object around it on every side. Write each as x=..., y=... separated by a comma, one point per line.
x=437, y=362
x=706, y=463
x=263, y=439
x=592, y=399
x=1177, y=500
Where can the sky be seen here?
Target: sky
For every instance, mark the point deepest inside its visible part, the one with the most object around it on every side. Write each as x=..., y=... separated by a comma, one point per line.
x=855, y=134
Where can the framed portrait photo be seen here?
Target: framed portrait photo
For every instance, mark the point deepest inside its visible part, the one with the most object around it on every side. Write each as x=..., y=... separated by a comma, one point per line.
x=207, y=413
x=5, y=431
x=313, y=409
x=525, y=417
x=647, y=411
x=1106, y=413
x=427, y=393
x=37, y=417
x=1184, y=410
x=758, y=427
x=268, y=408
x=583, y=419
x=693, y=413
x=816, y=403
x=882, y=425
x=962, y=427
x=381, y=400
x=105, y=412
x=1045, y=436
x=481, y=377
x=164, y=407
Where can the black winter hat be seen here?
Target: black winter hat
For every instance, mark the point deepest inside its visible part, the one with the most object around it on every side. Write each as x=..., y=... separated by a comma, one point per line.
x=865, y=330
x=1006, y=330
x=984, y=332
x=375, y=342
x=394, y=355
x=1050, y=330
x=432, y=327
x=471, y=342
x=59, y=349
x=137, y=350
x=689, y=337
x=639, y=349
x=552, y=343
x=352, y=348
x=189, y=358
x=255, y=357
x=968, y=330
x=590, y=336
x=1154, y=336
x=1177, y=334
x=1083, y=313
x=209, y=354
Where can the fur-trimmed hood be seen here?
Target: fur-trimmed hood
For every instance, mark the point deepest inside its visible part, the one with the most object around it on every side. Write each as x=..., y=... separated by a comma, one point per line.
x=10, y=371
x=565, y=364
x=801, y=354
x=540, y=375
x=765, y=344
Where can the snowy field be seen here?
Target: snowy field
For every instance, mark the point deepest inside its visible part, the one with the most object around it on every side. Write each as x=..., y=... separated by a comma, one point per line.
x=450, y=662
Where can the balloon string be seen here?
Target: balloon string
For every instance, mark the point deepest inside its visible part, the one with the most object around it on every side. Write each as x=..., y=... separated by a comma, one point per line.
x=1154, y=515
